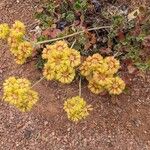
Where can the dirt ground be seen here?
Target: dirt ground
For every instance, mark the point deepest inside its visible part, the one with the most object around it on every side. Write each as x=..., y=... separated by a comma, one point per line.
x=121, y=126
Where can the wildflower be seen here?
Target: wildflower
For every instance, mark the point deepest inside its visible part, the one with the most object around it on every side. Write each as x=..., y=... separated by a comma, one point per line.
x=113, y=64
x=19, y=26
x=90, y=64
x=102, y=67
x=76, y=108
x=101, y=78
x=46, y=52
x=13, y=42
x=49, y=71
x=18, y=92
x=115, y=85
x=60, y=45
x=23, y=51
x=94, y=60
x=85, y=69
x=95, y=87
x=4, y=31
x=73, y=56
x=57, y=58
x=17, y=35
x=65, y=74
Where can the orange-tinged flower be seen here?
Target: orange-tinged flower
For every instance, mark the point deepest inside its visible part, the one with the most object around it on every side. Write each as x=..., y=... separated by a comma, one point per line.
x=85, y=69
x=23, y=51
x=73, y=56
x=65, y=74
x=94, y=60
x=115, y=85
x=49, y=72
x=102, y=67
x=60, y=45
x=113, y=64
x=95, y=87
x=46, y=52
x=101, y=78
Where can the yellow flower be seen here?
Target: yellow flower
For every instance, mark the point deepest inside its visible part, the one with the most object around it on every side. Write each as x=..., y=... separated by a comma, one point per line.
x=15, y=34
x=47, y=51
x=76, y=108
x=23, y=51
x=56, y=59
x=73, y=56
x=113, y=64
x=90, y=64
x=100, y=78
x=95, y=87
x=19, y=26
x=94, y=60
x=49, y=72
x=102, y=67
x=85, y=69
x=115, y=85
x=65, y=74
x=60, y=45
x=18, y=92
x=13, y=42
x=31, y=99
x=4, y=31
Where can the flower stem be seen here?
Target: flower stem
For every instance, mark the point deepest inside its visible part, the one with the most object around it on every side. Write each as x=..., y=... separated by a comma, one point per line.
x=73, y=43
x=37, y=82
x=70, y=35
x=80, y=86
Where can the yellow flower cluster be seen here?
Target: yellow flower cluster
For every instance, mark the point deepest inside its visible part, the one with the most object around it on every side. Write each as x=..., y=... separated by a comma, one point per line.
x=18, y=92
x=61, y=62
x=100, y=72
x=4, y=31
x=76, y=108
x=19, y=47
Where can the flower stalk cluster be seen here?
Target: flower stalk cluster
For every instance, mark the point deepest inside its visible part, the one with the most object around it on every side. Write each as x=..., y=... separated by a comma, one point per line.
x=61, y=62
x=101, y=74
x=18, y=92
x=19, y=47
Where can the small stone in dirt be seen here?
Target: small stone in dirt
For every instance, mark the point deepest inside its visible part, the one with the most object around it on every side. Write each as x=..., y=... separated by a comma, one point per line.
x=1, y=71
x=46, y=123
x=27, y=134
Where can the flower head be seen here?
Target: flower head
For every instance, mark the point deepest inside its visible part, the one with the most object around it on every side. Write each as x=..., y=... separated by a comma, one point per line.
x=18, y=92
x=100, y=78
x=60, y=45
x=23, y=51
x=94, y=60
x=85, y=69
x=56, y=59
x=4, y=31
x=49, y=71
x=47, y=51
x=115, y=85
x=19, y=26
x=95, y=87
x=76, y=108
x=65, y=74
x=73, y=56
x=113, y=64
